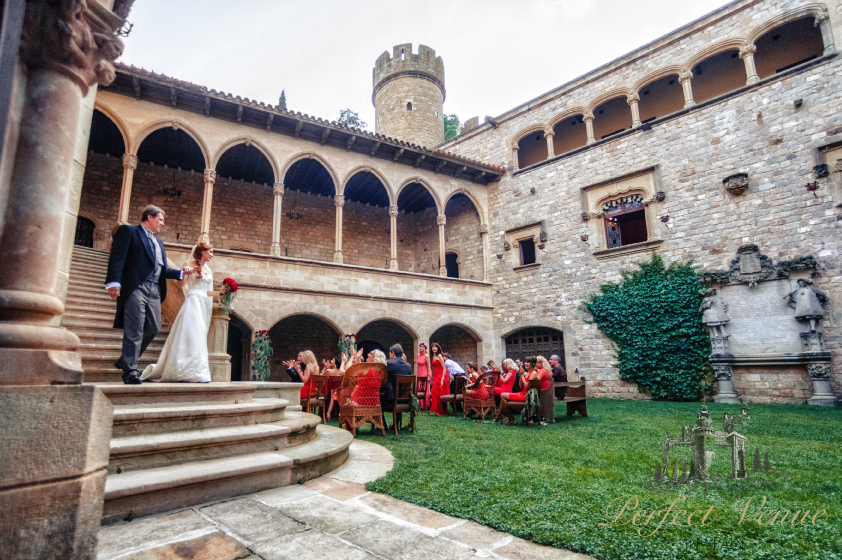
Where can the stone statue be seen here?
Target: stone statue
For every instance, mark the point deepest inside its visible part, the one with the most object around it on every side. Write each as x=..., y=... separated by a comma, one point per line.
x=714, y=313
x=807, y=302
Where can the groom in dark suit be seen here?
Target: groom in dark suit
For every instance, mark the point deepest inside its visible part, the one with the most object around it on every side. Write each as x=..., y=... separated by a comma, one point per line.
x=137, y=279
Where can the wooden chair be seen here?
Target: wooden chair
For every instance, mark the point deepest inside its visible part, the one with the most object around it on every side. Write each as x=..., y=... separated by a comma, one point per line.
x=456, y=396
x=480, y=397
x=576, y=396
x=421, y=389
x=357, y=408
x=317, y=397
x=406, y=384
x=512, y=407
x=547, y=410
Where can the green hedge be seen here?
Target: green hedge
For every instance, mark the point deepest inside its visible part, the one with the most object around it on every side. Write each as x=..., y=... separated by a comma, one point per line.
x=652, y=317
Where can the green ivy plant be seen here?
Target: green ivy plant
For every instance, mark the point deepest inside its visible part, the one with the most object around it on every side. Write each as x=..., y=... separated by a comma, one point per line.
x=261, y=351
x=652, y=317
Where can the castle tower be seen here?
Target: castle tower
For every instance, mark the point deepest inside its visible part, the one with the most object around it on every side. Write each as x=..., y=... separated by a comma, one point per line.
x=409, y=94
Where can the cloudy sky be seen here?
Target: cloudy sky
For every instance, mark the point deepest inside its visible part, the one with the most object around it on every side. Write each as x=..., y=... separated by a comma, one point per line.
x=497, y=53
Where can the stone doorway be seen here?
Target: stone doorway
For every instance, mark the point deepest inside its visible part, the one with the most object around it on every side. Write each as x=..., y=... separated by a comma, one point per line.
x=239, y=348
x=456, y=341
x=84, y=232
x=382, y=334
x=535, y=341
x=297, y=333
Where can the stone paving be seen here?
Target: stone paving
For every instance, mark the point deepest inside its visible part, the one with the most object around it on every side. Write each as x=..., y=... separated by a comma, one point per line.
x=328, y=517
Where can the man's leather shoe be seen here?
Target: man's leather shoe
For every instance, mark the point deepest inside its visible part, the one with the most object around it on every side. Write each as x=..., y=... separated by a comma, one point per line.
x=132, y=378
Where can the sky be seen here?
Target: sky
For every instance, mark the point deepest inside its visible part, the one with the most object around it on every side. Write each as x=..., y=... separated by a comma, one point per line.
x=497, y=54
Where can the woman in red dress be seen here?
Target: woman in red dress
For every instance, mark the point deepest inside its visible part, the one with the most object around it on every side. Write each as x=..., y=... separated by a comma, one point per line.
x=306, y=366
x=423, y=362
x=477, y=389
x=441, y=380
x=507, y=380
x=530, y=373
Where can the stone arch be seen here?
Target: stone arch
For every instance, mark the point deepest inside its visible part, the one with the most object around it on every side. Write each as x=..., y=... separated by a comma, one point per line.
x=242, y=318
x=311, y=155
x=445, y=321
x=324, y=313
x=607, y=96
x=90, y=217
x=426, y=185
x=477, y=206
x=252, y=320
x=558, y=117
x=719, y=47
x=248, y=141
x=567, y=330
x=377, y=173
x=526, y=131
x=818, y=11
x=118, y=122
x=399, y=317
x=175, y=123
x=675, y=69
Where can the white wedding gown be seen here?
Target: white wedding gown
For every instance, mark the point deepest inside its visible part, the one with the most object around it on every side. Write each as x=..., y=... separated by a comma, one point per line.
x=184, y=358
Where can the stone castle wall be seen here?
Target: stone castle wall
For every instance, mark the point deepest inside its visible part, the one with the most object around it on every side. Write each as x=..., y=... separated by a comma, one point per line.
x=758, y=131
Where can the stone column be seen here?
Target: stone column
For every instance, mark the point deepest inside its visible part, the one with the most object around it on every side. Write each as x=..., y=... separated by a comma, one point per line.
x=684, y=79
x=54, y=440
x=129, y=165
x=218, y=359
x=823, y=22
x=747, y=54
x=550, y=148
x=515, y=163
x=393, y=220
x=483, y=232
x=633, y=100
x=339, y=201
x=207, y=204
x=588, y=118
x=441, y=219
x=277, y=214
x=724, y=385
x=819, y=368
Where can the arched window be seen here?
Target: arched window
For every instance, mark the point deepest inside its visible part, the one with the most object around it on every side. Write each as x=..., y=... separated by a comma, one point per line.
x=788, y=45
x=84, y=232
x=532, y=149
x=625, y=221
x=451, y=262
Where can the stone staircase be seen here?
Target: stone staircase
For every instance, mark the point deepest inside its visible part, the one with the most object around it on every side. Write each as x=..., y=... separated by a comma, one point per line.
x=89, y=312
x=175, y=445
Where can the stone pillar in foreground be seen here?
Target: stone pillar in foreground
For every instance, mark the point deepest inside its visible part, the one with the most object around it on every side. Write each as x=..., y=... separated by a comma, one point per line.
x=747, y=54
x=207, y=203
x=218, y=359
x=441, y=219
x=684, y=79
x=393, y=233
x=54, y=432
x=339, y=201
x=129, y=165
x=588, y=118
x=633, y=100
x=277, y=214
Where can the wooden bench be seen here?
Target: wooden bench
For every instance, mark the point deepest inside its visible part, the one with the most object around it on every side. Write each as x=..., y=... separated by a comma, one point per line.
x=576, y=397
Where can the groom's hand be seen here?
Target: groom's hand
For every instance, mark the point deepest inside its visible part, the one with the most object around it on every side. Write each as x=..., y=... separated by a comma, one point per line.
x=114, y=292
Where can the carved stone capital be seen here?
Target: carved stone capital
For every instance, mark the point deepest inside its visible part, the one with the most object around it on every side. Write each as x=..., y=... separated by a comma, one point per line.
x=393, y=210
x=441, y=219
x=587, y=116
x=820, y=18
x=685, y=77
x=819, y=370
x=747, y=51
x=130, y=161
x=633, y=98
x=549, y=133
x=74, y=38
x=339, y=200
x=483, y=228
x=210, y=176
x=278, y=189
x=722, y=371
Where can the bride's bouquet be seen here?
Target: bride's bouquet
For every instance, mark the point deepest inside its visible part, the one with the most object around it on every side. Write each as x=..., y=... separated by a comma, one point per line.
x=229, y=291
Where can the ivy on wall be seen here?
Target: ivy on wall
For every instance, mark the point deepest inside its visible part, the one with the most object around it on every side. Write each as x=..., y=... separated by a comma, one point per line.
x=652, y=317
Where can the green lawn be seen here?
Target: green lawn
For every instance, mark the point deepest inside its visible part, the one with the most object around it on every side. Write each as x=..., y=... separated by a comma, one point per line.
x=553, y=484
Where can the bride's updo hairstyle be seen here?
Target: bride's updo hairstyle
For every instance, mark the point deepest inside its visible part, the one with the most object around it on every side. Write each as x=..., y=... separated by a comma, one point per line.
x=200, y=249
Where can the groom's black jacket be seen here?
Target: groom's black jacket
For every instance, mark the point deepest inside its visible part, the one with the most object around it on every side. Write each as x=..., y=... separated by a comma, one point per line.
x=131, y=261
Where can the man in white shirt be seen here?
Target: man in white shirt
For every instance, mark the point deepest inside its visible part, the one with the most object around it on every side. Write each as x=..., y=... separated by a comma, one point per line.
x=454, y=370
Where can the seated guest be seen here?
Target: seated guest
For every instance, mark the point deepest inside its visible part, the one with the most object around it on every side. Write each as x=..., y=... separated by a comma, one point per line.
x=507, y=378
x=304, y=367
x=375, y=356
x=332, y=368
x=396, y=365
x=476, y=389
x=527, y=374
x=292, y=371
x=559, y=376
x=492, y=366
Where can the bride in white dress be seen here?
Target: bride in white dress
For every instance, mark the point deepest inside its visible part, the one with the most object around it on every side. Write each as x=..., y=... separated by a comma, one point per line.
x=184, y=357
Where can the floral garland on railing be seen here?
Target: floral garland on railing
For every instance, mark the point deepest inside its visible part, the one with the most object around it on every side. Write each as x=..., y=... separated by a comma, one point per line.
x=348, y=345
x=228, y=293
x=261, y=351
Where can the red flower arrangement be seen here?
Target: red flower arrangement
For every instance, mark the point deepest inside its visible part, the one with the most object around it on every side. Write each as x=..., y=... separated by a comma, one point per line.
x=226, y=296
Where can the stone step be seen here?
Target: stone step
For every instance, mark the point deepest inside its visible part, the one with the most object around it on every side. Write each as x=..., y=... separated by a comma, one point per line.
x=107, y=335
x=157, y=393
x=92, y=306
x=153, y=451
x=95, y=349
x=158, y=418
x=89, y=268
x=109, y=356
x=102, y=317
x=144, y=492
x=103, y=299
